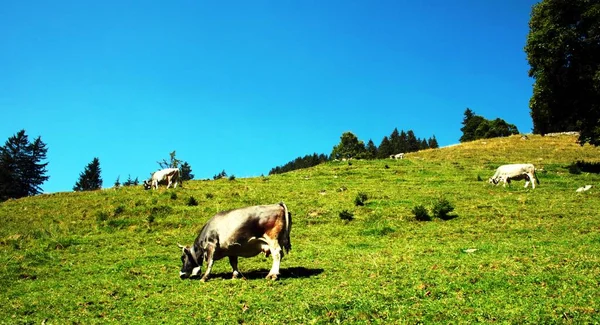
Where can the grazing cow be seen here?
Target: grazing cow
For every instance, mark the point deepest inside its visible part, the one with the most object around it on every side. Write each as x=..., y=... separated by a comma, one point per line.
x=168, y=175
x=242, y=232
x=397, y=156
x=507, y=173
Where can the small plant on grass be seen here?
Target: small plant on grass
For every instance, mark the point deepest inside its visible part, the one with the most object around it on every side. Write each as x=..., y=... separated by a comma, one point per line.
x=346, y=215
x=209, y=195
x=118, y=210
x=101, y=216
x=192, y=202
x=173, y=196
x=232, y=178
x=442, y=208
x=360, y=199
x=421, y=213
x=479, y=179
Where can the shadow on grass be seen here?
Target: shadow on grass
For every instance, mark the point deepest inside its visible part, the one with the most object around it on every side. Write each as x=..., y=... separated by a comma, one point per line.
x=284, y=273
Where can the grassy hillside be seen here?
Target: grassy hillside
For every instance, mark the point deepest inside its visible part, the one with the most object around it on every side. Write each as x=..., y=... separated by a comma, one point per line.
x=511, y=254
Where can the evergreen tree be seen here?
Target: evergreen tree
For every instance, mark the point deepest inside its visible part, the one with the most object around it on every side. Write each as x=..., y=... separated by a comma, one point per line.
x=21, y=170
x=385, y=148
x=90, y=178
x=423, y=144
x=371, y=150
x=117, y=183
x=563, y=50
x=403, y=147
x=130, y=182
x=411, y=141
x=349, y=147
x=186, y=172
x=432, y=142
x=395, y=141
x=299, y=163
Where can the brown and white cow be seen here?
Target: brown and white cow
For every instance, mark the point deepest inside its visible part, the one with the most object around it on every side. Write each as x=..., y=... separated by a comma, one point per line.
x=244, y=232
x=510, y=172
x=168, y=175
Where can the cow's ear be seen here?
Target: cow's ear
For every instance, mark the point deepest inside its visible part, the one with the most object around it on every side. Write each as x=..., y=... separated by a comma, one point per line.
x=183, y=248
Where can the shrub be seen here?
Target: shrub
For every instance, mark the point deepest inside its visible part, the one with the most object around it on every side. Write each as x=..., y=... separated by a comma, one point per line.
x=232, y=178
x=479, y=178
x=574, y=169
x=173, y=196
x=360, y=199
x=209, y=195
x=101, y=216
x=192, y=202
x=421, y=213
x=346, y=215
x=118, y=210
x=442, y=208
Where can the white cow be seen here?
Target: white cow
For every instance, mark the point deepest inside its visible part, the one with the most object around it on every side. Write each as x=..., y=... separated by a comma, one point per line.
x=397, y=156
x=168, y=175
x=507, y=173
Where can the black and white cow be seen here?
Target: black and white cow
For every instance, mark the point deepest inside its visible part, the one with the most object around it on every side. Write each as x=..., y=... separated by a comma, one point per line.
x=506, y=173
x=244, y=232
x=168, y=175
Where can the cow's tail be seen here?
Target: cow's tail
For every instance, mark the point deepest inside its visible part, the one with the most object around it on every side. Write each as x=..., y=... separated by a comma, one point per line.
x=286, y=243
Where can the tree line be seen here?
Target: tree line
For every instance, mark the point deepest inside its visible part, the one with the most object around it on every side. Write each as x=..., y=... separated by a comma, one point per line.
x=351, y=147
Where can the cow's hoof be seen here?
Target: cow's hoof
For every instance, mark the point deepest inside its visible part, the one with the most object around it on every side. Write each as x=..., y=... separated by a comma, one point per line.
x=203, y=280
x=272, y=277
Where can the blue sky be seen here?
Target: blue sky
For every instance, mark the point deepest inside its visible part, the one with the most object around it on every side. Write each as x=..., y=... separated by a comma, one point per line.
x=245, y=86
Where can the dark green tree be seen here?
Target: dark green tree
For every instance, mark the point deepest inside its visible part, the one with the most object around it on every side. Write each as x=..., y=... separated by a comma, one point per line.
x=423, y=144
x=385, y=148
x=90, y=178
x=349, y=147
x=563, y=50
x=21, y=169
x=403, y=146
x=432, y=142
x=130, y=182
x=395, y=141
x=186, y=172
x=371, y=150
x=477, y=127
x=117, y=182
x=411, y=141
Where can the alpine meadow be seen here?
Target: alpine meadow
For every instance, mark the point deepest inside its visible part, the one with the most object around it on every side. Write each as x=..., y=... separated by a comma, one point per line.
x=506, y=255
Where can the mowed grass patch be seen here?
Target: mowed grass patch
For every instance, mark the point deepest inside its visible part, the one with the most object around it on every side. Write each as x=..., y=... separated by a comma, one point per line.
x=512, y=255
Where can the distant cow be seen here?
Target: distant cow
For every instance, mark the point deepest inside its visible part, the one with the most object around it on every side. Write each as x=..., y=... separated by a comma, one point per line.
x=242, y=232
x=507, y=173
x=168, y=175
x=397, y=156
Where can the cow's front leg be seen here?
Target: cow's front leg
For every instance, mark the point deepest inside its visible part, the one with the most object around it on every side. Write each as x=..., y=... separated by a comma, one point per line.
x=233, y=260
x=210, y=252
x=276, y=253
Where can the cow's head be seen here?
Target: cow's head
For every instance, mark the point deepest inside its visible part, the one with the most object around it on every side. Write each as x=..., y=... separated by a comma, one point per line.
x=192, y=265
x=495, y=180
x=147, y=185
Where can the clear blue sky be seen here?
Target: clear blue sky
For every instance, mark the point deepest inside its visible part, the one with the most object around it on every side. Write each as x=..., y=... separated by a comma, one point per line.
x=245, y=86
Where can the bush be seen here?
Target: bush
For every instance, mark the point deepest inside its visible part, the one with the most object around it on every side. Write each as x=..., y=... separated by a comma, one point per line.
x=232, y=178
x=442, y=208
x=360, y=199
x=118, y=210
x=209, y=195
x=479, y=178
x=346, y=215
x=192, y=202
x=421, y=213
x=173, y=196
x=574, y=169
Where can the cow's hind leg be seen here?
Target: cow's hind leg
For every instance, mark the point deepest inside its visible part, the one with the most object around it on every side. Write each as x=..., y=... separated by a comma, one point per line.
x=233, y=260
x=276, y=253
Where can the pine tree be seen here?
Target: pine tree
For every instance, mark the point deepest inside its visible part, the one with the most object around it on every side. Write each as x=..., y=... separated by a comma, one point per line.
x=423, y=144
x=395, y=142
x=385, y=148
x=89, y=179
x=186, y=172
x=21, y=170
x=403, y=147
x=172, y=163
x=411, y=142
x=117, y=183
x=432, y=142
x=371, y=150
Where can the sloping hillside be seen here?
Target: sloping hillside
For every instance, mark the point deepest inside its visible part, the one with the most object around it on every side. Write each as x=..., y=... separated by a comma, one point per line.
x=509, y=255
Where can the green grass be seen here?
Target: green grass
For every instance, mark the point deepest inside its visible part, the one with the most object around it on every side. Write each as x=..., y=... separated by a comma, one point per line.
x=111, y=255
